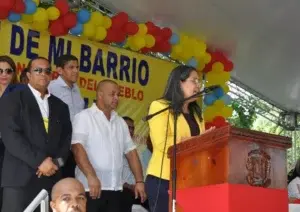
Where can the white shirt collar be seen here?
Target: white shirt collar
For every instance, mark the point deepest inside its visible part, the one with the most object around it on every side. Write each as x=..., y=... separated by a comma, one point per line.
x=95, y=108
x=36, y=93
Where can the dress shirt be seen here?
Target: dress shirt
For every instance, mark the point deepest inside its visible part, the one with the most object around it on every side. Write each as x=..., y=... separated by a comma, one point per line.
x=70, y=96
x=294, y=188
x=105, y=142
x=43, y=105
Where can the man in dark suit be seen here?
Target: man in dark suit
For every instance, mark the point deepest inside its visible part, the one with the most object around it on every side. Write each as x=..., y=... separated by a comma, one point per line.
x=36, y=131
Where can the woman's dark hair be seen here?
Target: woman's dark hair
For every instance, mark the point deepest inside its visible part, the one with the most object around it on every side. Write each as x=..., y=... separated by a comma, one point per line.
x=294, y=172
x=11, y=63
x=173, y=92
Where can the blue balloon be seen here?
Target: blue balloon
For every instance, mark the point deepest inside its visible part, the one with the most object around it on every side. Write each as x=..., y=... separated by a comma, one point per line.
x=30, y=7
x=209, y=99
x=174, y=39
x=227, y=99
x=192, y=62
x=77, y=30
x=83, y=16
x=14, y=17
x=219, y=92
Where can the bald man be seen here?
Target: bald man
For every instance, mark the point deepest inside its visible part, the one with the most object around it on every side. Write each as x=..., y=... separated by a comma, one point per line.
x=100, y=140
x=68, y=195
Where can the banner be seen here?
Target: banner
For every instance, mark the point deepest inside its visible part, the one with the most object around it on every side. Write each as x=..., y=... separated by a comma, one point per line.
x=141, y=78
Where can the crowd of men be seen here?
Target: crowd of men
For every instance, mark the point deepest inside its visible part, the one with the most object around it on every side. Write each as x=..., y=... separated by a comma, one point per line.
x=47, y=132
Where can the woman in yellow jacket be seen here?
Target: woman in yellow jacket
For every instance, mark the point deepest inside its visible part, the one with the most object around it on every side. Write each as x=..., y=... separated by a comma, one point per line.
x=183, y=82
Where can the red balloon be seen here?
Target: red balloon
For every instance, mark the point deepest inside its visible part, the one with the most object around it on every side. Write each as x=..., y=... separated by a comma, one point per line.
x=3, y=14
x=166, y=33
x=123, y=16
x=57, y=28
x=208, y=67
x=219, y=121
x=19, y=7
x=111, y=35
x=7, y=5
x=131, y=28
x=208, y=125
x=228, y=66
x=69, y=20
x=62, y=6
x=117, y=23
x=145, y=50
x=120, y=36
x=151, y=28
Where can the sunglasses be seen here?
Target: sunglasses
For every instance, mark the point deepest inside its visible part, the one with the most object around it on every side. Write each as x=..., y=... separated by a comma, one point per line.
x=39, y=71
x=7, y=71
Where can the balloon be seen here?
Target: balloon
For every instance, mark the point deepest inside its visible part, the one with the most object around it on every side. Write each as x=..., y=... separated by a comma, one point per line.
x=217, y=78
x=37, y=2
x=177, y=49
x=192, y=62
x=150, y=41
x=209, y=99
x=14, y=17
x=152, y=29
x=3, y=14
x=83, y=16
x=89, y=30
x=228, y=66
x=62, y=6
x=206, y=58
x=227, y=112
x=40, y=15
x=208, y=125
x=107, y=22
x=19, y=7
x=138, y=42
x=77, y=30
x=131, y=28
x=225, y=88
x=218, y=92
x=30, y=7
x=219, y=121
x=199, y=48
x=96, y=18
x=119, y=20
x=142, y=29
x=27, y=18
x=57, y=28
x=217, y=67
x=100, y=33
x=210, y=113
x=69, y=20
x=218, y=105
x=226, y=99
x=166, y=33
x=40, y=26
x=53, y=13
x=7, y=5
x=174, y=39
x=200, y=66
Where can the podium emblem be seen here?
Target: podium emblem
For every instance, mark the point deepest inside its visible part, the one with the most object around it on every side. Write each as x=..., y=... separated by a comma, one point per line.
x=258, y=166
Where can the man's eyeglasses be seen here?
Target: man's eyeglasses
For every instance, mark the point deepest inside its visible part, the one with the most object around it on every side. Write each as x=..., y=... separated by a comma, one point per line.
x=46, y=71
x=7, y=71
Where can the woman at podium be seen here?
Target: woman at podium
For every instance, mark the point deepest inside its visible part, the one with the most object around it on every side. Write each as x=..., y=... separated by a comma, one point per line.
x=183, y=82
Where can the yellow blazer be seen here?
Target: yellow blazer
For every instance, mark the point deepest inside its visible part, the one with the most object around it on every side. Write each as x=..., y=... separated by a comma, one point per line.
x=159, y=136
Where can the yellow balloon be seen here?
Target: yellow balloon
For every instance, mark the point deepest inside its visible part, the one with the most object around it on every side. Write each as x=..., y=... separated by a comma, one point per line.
x=177, y=49
x=97, y=18
x=217, y=67
x=27, y=19
x=106, y=22
x=225, y=88
x=40, y=15
x=227, y=112
x=37, y=2
x=40, y=25
x=219, y=104
x=150, y=41
x=143, y=29
x=139, y=42
x=89, y=30
x=210, y=113
x=201, y=66
x=206, y=58
x=100, y=33
x=217, y=78
x=53, y=13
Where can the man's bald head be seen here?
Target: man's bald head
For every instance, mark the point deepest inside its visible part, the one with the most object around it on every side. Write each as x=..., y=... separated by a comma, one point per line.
x=68, y=195
x=107, y=95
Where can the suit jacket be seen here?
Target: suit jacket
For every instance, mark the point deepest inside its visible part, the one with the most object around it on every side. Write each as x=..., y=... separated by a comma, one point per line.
x=24, y=136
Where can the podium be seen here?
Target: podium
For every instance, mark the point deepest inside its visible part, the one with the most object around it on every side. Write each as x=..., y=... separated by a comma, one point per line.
x=231, y=169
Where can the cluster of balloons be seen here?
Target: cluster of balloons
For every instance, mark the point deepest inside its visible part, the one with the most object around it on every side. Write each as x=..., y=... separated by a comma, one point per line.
x=217, y=103
x=190, y=50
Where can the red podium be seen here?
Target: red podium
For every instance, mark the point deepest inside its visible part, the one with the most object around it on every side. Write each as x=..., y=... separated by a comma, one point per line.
x=231, y=169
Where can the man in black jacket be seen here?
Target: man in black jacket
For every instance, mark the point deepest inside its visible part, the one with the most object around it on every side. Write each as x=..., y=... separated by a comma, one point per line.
x=36, y=131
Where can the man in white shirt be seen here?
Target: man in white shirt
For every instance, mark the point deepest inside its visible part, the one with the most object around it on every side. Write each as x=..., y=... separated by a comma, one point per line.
x=100, y=140
x=65, y=88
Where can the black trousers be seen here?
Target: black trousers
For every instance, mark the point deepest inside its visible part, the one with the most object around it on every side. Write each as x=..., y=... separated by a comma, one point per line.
x=157, y=191
x=128, y=199
x=69, y=168
x=108, y=202
x=16, y=199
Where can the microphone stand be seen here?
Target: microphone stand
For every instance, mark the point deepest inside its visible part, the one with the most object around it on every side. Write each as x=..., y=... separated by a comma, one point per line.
x=176, y=112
